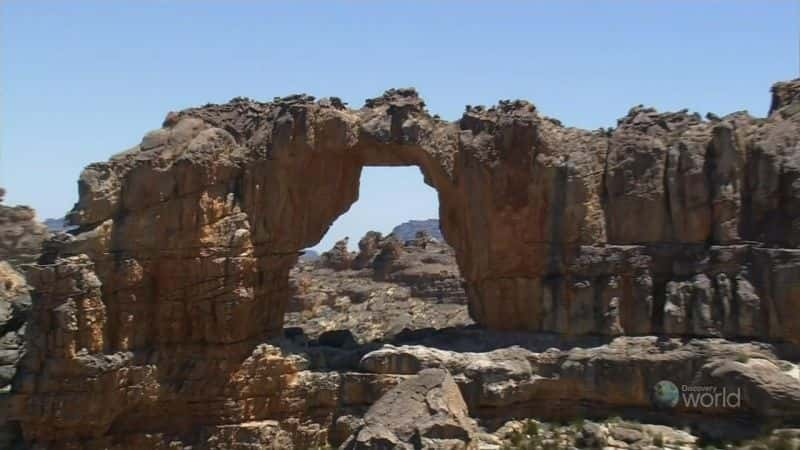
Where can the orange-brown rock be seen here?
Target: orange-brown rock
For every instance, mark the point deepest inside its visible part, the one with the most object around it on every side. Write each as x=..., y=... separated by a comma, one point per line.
x=21, y=236
x=200, y=224
x=151, y=318
x=426, y=411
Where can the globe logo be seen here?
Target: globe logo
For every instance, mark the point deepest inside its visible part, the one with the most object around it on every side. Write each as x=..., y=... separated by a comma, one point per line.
x=665, y=394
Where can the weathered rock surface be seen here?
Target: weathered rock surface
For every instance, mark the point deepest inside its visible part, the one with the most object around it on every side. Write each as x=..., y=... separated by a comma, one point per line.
x=15, y=306
x=21, y=236
x=385, y=289
x=554, y=228
x=21, y=239
x=591, y=435
x=288, y=394
x=150, y=322
x=423, y=412
x=602, y=380
x=618, y=434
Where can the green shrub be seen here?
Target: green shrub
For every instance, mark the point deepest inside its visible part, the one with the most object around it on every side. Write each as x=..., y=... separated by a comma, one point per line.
x=531, y=427
x=577, y=423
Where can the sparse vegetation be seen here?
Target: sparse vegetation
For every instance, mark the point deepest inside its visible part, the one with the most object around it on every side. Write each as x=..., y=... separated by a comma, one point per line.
x=531, y=427
x=577, y=423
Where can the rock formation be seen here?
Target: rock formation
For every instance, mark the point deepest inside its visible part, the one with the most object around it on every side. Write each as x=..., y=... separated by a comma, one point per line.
x=407, y=231
x=426, y=411
x=554, y=228
x=288, y=394
x=21, y=236
x=387, y=289
x=15, y=306
x=150, y=322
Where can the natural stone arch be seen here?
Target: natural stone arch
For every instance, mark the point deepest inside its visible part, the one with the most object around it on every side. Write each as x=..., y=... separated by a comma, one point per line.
x=195, y=229
x=223, y=202
x=219, y=201
x=177, y=273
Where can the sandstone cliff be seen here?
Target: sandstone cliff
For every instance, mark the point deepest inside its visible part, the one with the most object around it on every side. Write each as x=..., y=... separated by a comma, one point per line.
x=666, y=224
x=150, y=324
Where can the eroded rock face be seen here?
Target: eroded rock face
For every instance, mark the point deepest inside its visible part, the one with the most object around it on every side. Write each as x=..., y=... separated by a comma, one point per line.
x=21, y=236
x=284, y=394
x=179, y=268
x=594, y=380
x=210, y=213
x=423, y=412
x=21, y=239
x=15, y=304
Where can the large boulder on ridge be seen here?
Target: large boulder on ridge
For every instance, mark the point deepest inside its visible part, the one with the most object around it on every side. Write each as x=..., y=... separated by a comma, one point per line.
x=423, y=412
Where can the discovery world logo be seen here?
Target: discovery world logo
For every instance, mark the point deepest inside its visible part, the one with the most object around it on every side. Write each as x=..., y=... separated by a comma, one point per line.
x=667, y=395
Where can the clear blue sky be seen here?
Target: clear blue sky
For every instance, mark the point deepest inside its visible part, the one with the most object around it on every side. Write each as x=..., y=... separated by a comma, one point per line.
x=82, y=80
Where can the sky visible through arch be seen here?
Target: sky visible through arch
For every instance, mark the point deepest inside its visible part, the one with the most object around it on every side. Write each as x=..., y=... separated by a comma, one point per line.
x=82, y=80
x=380, y=207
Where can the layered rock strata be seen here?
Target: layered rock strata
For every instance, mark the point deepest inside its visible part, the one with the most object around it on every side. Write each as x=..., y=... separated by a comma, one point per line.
x=15, y=304
x=150, y=319
x=554, y=228
x=287, y=394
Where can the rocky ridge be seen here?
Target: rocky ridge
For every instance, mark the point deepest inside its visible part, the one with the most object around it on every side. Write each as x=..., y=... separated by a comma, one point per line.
x=407, y=231
x=21, y=235
x=560, y=230
x=158, y=321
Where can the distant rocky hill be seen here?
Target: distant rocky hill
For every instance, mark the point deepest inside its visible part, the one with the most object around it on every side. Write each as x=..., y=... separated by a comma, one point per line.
x=309, y=255
x=59, y=224
x=407, y=231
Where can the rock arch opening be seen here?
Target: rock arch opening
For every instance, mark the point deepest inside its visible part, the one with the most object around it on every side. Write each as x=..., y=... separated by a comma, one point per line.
x=379, y=272
x=387, y=197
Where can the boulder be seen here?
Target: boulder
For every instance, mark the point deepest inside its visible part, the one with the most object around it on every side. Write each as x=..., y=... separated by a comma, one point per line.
x=424, y=412
x=21, y=235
